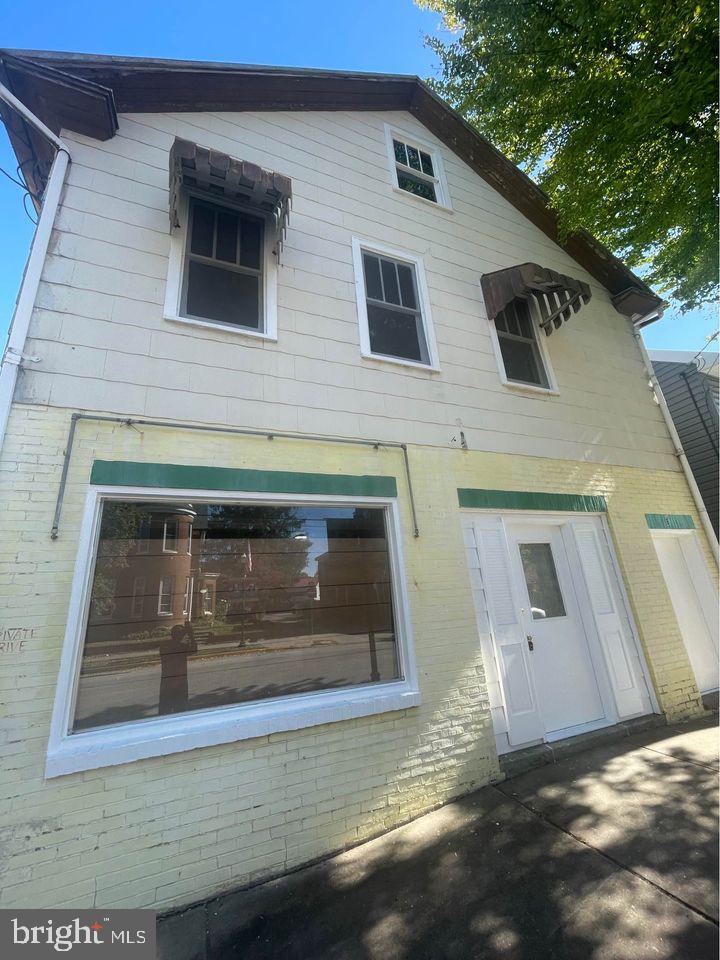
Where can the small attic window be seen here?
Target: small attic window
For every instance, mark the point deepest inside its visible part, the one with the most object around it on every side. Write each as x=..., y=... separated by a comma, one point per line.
x=416, y=168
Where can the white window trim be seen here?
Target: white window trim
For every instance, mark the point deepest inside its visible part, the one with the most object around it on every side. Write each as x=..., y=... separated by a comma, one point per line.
x=441, y=186
x=358, y=246
x=176, y=266
x=160, y=611
x=188, y=595
x=156, y=737
x=550, y=391
x=176, y=538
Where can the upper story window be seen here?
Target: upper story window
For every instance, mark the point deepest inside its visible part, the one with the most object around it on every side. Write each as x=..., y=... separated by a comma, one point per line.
x=393, y=307
x=417, y=168
x=223, y=275
x=522, y=358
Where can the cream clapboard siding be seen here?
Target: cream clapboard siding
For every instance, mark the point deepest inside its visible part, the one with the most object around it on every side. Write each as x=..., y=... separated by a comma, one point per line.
x=103, y=343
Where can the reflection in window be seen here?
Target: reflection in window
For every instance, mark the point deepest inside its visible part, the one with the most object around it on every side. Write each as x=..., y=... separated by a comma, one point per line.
x=270, y=601
x=542, y=581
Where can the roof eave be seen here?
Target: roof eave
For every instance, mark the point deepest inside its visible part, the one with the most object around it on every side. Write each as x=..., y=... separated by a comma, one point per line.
x=84, y=93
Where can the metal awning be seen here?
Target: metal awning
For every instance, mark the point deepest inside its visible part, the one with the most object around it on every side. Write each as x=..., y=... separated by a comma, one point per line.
x=225, y=177
x=557, y=296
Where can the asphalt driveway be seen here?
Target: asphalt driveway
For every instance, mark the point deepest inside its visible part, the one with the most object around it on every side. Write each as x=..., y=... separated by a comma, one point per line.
x=611, y=854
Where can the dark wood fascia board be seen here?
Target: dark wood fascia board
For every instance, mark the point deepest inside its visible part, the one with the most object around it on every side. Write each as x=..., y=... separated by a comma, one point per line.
x=91, y=88
x=62, y=100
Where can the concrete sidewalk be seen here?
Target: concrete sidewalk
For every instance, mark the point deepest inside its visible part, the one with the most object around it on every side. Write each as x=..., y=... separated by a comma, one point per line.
x=610, y=855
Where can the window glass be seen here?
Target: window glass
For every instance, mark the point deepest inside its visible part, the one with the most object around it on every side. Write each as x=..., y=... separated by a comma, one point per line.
x=415, y=170
x=427, y=165
x=223, y=295
x=416, y=186
x=272, y=601
x=521, y=361
x=223, y=275
x=202, y=236
x=518, y=345
x=373, y=282
x=227, y=236
x=390, y=281
x=395, y=323
x=542, y=581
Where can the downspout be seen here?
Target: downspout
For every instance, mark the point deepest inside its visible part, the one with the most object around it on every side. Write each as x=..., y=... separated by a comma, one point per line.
x=670, y=424
x=14, y=351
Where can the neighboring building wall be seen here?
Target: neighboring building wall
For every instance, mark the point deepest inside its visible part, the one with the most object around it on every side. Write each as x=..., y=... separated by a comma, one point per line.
x=693, y=405
x=103, y=343
x=165, y=831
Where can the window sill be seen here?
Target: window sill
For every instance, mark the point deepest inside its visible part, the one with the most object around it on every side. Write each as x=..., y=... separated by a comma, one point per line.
x=529, y=388
x=381, y=358
x=159, y=737
x=224, y=327
x=435, y=204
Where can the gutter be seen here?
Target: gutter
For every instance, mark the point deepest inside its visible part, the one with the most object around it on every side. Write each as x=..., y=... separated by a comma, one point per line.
x=670, y=424
x=14, y=356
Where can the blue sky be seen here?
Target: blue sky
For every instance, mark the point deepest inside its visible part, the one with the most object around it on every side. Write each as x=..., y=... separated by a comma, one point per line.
x=374, y=35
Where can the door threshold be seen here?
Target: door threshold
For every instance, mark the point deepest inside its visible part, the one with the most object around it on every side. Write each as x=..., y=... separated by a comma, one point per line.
x=710, y=700
x=530, y=758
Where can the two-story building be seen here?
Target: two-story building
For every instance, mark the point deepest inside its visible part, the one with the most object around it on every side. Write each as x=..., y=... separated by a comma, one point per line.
x=330, y=477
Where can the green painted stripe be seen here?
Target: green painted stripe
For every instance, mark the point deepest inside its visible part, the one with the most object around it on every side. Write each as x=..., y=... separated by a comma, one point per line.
x=669, y=521
x=526, y=500
x=127, y=473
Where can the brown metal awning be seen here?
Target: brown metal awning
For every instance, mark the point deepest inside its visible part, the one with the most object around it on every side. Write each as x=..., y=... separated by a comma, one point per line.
x=557, y=296
x=225, y=177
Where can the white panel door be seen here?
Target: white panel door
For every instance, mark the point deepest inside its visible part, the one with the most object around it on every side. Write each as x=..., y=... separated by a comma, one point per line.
x=565, y=679
x=684, y=571
x=493, y=588
x=584, y=538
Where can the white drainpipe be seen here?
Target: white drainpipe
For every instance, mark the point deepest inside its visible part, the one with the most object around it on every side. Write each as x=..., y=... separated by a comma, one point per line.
x=680, y=453
x=14, y=351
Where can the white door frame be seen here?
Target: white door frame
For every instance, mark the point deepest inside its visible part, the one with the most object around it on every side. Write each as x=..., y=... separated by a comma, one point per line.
x=704, y=588
x=598, y=654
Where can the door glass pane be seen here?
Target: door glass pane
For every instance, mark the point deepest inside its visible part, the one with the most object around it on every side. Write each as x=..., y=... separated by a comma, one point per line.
x=272, y=601
x=542, y=581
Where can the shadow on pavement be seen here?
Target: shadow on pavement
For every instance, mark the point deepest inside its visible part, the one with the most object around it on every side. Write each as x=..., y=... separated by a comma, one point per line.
x=609, y=855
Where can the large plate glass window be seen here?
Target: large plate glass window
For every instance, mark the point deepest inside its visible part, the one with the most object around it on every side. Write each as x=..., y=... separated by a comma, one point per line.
x=519, y=348
x=271, y=601
x=395, y=322
x=223, y=274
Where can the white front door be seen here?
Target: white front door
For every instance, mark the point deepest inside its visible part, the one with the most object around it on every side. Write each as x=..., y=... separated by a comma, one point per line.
x=566, y=684
x=558, y=645
x=695, y=608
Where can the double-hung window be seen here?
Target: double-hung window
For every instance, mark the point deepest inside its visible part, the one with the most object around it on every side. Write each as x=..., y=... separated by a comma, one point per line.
x=520, y=352
x=223, y=267
x=393, y=307
x=416, y=168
